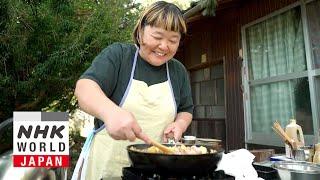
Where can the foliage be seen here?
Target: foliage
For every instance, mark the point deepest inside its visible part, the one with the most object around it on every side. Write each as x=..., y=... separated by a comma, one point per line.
x=209, y=7
x=47, y=44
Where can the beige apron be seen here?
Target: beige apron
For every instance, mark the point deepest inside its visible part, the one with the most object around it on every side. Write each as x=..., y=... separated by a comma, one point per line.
x=154, y=107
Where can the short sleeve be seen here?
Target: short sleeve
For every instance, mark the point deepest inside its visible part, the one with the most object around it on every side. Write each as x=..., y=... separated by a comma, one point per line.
x=181, y=86
x=104, y=68
x=186, y=103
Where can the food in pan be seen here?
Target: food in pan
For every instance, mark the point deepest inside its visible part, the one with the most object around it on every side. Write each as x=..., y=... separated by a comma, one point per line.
x=178, y=149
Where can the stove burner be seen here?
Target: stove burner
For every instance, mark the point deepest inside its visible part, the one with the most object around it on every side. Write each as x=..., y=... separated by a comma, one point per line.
x=131, y=173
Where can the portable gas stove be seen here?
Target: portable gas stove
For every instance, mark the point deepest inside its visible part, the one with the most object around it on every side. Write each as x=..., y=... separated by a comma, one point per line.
x=131, y=173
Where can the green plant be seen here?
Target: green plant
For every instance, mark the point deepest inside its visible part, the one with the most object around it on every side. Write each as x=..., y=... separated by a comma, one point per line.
x=45, y=45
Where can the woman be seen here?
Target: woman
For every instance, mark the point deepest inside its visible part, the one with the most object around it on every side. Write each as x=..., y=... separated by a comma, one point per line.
x=137, y=91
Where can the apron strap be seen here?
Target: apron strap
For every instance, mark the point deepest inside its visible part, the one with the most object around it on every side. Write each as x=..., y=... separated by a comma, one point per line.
x=131, y=77
x=173, y=97
x=83, y=158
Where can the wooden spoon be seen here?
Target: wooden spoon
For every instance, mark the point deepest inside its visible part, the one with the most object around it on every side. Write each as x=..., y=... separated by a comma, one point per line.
x=278, y=129
x=163, y=148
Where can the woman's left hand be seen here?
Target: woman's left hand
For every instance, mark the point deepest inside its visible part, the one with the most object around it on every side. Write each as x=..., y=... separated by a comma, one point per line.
x=179, y=126
x=174, y=128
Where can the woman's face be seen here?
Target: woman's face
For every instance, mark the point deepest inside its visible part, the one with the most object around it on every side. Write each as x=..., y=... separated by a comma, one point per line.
x=158, y=45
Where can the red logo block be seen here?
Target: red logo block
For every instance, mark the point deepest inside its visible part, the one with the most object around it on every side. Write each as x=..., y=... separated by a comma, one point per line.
x=41, y=161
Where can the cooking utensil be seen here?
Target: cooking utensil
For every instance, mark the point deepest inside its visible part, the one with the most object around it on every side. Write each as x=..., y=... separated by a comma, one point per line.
x=209, y=140
x=299, y=155
x=171, y=139
x=297, y=170
x=172, y=163
x=163, y=148
x=283, y=135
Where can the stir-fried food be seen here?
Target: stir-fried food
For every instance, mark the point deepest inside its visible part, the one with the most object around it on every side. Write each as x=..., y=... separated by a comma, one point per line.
x=178, y=149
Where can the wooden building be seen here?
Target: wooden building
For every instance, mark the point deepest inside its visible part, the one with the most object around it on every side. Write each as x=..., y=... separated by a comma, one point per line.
x=214, y=53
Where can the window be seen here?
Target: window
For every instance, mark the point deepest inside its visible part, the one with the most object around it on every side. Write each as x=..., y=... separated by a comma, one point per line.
x=208, y=92
x=279, y=83
x=314, y=31
x=313, y=21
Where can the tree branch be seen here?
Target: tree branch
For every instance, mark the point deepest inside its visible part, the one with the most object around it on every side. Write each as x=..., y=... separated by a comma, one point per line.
x=32, y=104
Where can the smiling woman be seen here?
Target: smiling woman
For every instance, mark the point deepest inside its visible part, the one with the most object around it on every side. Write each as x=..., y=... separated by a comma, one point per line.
x=158, y=45
x=136, y=91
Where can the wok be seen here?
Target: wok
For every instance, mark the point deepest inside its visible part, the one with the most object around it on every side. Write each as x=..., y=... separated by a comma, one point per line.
x=170, y=163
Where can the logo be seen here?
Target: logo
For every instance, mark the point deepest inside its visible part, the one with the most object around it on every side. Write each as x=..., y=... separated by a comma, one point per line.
x=40, y=139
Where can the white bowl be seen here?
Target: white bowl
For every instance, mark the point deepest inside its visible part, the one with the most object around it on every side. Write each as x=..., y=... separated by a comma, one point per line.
x=189, y=138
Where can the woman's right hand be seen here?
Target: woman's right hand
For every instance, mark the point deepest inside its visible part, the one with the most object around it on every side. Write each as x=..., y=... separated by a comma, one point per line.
x=122, y=125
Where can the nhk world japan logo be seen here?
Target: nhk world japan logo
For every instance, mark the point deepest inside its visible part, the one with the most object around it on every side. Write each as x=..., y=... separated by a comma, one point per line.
x=40, y=139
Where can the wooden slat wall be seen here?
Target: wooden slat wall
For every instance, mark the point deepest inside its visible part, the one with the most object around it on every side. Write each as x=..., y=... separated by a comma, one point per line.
x=220, y=36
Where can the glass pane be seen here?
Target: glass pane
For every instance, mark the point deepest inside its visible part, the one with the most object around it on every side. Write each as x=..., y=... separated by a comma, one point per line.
x=303, y=105
x=220, y=91
x=281, y=101
x=313, y=14
x=210, y=112
x=207, y=92
x=197, y=76
x=196, y=93
x=217, y=71
x=199, y=112
x=317, y=83
x=215, y=112
x=276, y=46
x=206, y=74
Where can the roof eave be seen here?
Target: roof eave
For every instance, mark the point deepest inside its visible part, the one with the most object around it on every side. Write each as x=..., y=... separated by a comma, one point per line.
x=191, y=12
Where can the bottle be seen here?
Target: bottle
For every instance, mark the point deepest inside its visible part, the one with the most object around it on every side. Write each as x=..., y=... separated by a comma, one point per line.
x=294, y=131
x=316, y=157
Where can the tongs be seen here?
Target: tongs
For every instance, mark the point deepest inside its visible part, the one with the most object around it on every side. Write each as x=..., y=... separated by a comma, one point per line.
x=171, y=139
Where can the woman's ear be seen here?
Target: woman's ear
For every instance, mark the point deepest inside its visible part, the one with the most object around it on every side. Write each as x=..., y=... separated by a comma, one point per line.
x=139, y=37
x=140, y=32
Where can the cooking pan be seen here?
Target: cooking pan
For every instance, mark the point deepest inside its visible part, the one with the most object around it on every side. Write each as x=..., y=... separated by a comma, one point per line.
x=170, y=163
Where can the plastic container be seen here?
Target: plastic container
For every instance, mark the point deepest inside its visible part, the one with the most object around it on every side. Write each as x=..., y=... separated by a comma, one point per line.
x=294, y=131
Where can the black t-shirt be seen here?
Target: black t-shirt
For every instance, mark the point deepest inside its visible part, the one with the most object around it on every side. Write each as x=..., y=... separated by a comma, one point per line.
x=111, y=69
